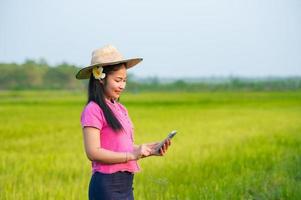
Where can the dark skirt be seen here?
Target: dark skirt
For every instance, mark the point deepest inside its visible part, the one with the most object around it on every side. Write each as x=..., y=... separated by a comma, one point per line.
x=118, y=186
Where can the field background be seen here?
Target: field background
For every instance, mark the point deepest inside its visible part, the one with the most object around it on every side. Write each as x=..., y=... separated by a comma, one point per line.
x=230, y=145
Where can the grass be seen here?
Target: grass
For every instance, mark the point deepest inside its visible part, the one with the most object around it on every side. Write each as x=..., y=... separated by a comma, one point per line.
x=230, y=145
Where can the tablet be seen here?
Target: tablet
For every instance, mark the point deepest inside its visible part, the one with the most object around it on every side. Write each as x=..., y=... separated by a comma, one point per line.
x=170, y=136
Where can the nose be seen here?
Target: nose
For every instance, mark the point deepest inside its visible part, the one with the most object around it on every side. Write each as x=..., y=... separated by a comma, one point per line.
x=122, y=85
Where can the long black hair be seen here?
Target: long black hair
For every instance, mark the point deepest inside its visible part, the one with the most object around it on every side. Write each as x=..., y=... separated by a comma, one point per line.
x=96, y=93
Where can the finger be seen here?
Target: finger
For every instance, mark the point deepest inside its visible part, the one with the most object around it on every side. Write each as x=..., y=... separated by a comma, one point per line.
x=148, y=149
x=151, y=145
x=161, y=152
x=145, y=153
x=168, y=144
x=165, y=144
x=165, y=147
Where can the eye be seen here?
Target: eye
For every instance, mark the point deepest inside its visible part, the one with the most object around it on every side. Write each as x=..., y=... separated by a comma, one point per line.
x=119, y=80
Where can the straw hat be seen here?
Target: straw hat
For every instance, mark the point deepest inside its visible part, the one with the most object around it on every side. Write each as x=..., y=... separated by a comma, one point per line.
x=106, y=56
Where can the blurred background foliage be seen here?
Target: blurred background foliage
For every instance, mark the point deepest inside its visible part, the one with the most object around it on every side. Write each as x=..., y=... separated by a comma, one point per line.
x=36, y=75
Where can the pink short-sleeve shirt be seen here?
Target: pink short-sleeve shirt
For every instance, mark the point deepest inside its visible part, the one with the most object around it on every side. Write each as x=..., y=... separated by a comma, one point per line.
x=121, y=141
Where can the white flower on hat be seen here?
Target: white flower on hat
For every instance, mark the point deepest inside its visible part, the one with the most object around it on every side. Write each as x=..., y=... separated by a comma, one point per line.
x=97, y=73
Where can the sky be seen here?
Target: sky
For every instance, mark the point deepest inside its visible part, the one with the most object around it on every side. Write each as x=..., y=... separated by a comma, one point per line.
x=192, y=38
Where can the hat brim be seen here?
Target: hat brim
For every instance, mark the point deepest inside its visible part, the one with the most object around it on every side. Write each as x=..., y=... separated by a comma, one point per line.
x=85, y=72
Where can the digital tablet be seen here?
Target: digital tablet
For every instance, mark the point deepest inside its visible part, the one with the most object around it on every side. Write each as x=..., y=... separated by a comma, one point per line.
x=170, y=136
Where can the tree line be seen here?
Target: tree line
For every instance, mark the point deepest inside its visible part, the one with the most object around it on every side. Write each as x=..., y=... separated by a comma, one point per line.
x=38, y=75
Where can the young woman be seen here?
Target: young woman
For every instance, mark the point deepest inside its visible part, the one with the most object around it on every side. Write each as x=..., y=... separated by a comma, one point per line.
x=107, y=128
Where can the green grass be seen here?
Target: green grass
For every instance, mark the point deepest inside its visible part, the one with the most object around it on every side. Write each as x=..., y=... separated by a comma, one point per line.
x=231, y=145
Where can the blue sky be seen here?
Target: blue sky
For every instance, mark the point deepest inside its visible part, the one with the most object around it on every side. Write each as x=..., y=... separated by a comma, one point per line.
x=190, y=38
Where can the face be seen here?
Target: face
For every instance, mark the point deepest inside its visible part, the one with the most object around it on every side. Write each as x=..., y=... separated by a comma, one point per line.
x=114, y=83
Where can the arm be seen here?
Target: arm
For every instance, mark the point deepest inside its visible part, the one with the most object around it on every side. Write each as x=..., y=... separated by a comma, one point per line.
x=95, y=153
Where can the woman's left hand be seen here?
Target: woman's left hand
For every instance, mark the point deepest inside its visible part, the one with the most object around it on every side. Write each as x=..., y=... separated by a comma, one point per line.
x=162, y=150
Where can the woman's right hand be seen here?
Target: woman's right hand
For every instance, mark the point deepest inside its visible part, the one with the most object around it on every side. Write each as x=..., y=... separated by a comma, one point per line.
x=140, y=152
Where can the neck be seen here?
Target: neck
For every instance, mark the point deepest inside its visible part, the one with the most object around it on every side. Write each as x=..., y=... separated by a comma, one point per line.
x=110, y=99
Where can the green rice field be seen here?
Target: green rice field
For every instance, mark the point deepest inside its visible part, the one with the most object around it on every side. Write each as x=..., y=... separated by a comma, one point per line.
x=230, y=145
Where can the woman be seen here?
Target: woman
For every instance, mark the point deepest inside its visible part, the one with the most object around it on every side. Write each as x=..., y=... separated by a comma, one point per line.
x=107, y=128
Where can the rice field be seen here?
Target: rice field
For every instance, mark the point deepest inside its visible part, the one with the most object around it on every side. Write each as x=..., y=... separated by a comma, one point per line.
x=230, y=145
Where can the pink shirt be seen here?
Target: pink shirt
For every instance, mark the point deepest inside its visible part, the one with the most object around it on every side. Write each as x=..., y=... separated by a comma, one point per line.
x=121, y=141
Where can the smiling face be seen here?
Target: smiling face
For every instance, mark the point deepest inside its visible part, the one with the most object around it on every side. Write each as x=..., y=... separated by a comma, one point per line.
x=114, y=83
